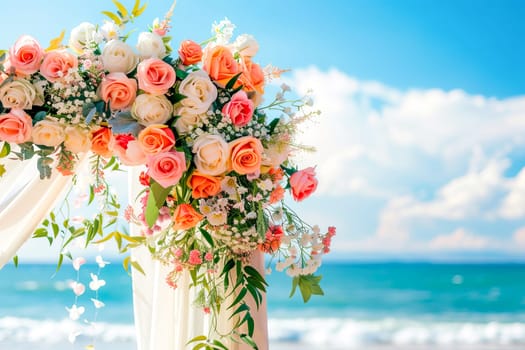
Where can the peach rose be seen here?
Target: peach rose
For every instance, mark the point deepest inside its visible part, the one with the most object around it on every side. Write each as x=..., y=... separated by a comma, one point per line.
x=118, y=90
x=211, y=154
x=15, y=126
x=303, y=183
x=252, y=77
x=190, y=52
x=186, y=217
x=77, y=139
x=57, y=64
x=128, y=149
x=156, y=139
x=246, y=155
x=102, y=142
x=155, y=76
x=167, y=168
x=26, y=55
x=48, y=133
x=220, y=64
x=204, y=186
x=239, y=109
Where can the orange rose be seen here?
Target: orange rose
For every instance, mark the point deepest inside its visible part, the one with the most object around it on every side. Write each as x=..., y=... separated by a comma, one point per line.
x=252, y=77
x=156, y=138
x=204, y=186
x=220, y=64
x=102, y=141
x=186, y=217
x=246, y=155
x=190, y=52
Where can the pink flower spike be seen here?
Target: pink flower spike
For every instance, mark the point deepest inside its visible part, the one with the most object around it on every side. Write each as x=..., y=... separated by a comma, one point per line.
x=78, y=262
x=78, y=288
x=208, y=256
x=195, y=257
x=206, y=310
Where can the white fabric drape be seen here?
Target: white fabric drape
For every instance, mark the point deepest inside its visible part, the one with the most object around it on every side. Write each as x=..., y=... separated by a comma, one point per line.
x=165, y=318
x=25, y=201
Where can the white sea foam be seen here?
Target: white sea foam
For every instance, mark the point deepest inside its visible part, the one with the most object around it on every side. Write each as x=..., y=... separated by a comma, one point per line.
x=333, y=333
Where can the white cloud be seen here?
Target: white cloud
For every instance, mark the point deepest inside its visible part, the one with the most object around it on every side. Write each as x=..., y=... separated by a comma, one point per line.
x=519, y=237
x=375, y=140
x=513, y=206
x=460, y=239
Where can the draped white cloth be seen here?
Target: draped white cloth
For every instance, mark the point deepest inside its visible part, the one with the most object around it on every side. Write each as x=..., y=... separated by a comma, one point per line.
x=165, y=318
x=25, y=201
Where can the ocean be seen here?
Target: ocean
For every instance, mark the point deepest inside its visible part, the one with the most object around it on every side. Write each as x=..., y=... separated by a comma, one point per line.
x=366, y=306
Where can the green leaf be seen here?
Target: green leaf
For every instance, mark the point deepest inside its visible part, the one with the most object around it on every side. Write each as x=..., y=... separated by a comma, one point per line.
x=60, y=261
x=139, y=11
x=196, y=339
x=207, y=237
x=248, y=340
x=40, y=232
x=125, y=263
x=156, y=199
x=15, y=260
x=137, y=267
x=239, y=297
x=232, y=81
x=135, y=7
x=295, y=282
x=181, y=74
x=122, y=9
x=2, y=170
x=113, y=17
x=5, y=150
x=273, y=124
x=243, y=307
x=309, y=285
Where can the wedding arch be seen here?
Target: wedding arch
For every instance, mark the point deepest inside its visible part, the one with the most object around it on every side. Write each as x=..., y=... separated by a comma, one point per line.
x=209, y=166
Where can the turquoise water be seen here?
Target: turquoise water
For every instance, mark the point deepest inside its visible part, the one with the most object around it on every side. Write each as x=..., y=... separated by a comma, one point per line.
x=380, y=303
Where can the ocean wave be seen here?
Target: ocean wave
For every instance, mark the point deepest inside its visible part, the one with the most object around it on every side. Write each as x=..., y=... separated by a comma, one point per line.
x=333, y=333
x=350, y=333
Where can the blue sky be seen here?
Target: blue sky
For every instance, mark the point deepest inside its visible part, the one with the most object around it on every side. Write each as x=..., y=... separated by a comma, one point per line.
x=421, y=145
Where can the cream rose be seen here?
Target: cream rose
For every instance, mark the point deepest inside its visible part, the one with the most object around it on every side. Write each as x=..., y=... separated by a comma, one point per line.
x=83, y=36
x=150, y=109
x=199, y=90
x=246, y=45
x=211, y=154
x=151, y=45
x=18, y=94
x=187, y=121
x=77, y=139
x=48, y=133
x=118, y=56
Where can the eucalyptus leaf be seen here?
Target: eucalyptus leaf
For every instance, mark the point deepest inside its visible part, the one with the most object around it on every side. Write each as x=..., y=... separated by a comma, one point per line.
x=124, y=123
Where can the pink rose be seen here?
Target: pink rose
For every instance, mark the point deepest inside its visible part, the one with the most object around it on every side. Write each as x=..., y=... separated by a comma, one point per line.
x=26, y=55
x=15, y=126
x=190, y=52
x=128, y=149
x=303, y=183
x=57, y=64
x=155, y=76
x=118, y=90
x=239, y=109
x=167, y=168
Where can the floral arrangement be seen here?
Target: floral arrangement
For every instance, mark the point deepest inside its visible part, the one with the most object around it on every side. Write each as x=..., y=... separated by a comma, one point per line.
x=217, y=160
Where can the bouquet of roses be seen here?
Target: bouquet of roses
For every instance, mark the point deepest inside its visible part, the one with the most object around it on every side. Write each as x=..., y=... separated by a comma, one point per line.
x=217, y=160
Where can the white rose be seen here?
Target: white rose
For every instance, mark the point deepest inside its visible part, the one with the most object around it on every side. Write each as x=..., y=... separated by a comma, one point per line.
x=199, y=90
x=246, y=45
x=18, y=94
x=188, y=121
x=109, y=30
x=77, y=139
x=211, y=154
x=83, y=36
x=48, y=133
x=118, y=56
x=150, y=109
x=276, y=154
x=151, y=45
